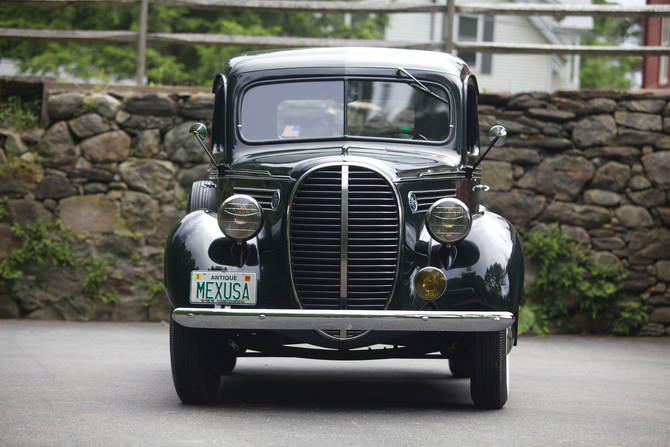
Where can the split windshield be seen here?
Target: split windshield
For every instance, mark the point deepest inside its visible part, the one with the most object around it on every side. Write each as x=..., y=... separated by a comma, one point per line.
x=316, y=109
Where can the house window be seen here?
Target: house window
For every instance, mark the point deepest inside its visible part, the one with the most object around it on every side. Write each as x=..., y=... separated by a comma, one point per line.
x=488, y=37
x=467, y=32
x=665, y=41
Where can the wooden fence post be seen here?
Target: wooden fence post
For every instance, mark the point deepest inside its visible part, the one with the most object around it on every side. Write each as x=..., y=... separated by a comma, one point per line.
x=448, y=28
x=142, y=41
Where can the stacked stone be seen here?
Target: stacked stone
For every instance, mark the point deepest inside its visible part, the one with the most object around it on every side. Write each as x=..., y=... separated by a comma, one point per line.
x=113, y=169
x=598, y=163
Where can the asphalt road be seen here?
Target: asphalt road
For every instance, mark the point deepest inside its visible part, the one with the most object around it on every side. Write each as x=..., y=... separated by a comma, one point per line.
x=92, y=384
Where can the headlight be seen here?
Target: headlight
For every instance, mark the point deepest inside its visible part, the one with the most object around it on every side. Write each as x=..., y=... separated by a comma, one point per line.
x=430, y=283
x=448, y=220
x=240, y=217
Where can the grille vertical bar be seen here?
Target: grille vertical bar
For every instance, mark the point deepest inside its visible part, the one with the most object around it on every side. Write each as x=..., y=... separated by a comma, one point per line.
x=345, y=231
x=344, y=237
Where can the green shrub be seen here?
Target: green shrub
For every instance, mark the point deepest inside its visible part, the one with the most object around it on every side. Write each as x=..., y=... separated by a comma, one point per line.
x=97, y=274
x=15, y=167
x=631, y=316
x=155, y=288
x=181, y=201
x=89, y=103
x=532, y=320
x=3, y=204
x=135, y=258
x=20, y=113
x=40, y=244
x=563, y=268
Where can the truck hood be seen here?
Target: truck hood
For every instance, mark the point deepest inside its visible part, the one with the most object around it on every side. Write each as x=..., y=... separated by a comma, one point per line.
x=398, y=164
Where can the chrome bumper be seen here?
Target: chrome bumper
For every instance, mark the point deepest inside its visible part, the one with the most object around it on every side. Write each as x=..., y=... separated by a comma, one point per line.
x=374, y=320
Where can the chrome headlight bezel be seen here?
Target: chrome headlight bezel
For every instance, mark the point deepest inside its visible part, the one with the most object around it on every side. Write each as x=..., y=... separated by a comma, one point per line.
x=249, y=219
x=437, y=231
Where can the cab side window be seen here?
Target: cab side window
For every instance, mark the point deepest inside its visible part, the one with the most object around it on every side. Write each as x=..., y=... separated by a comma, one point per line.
x=472, y=119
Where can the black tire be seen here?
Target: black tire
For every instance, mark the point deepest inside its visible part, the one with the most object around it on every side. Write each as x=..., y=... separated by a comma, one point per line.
x=229, y=362
x=460, y=368
x=202, y=195
x=197, y=363
x=489, y=384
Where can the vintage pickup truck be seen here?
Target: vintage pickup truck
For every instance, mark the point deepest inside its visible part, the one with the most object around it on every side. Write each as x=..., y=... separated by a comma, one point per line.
x=342, y=221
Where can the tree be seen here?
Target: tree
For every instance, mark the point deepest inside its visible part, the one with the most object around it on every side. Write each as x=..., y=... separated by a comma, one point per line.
x=614, y=73
x=165, y=64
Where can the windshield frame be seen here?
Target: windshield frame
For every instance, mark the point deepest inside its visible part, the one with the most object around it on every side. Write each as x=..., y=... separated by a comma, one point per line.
x=450, y=125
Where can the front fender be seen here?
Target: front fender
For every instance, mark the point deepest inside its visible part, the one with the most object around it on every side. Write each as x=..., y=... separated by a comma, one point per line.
x=197, y=243
x=487, y=272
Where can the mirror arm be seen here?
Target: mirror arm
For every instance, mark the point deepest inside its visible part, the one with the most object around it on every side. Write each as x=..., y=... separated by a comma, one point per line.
x=220, y=168
x=469, y=170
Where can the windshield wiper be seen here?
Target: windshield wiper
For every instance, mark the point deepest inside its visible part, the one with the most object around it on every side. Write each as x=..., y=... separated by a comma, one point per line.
x=419, y=86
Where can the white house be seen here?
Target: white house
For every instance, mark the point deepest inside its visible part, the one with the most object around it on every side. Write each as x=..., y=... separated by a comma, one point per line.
x=504, y=72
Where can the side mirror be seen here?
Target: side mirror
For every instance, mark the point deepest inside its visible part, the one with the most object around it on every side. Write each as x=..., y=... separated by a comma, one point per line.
x=199, y=131
x=497, y=135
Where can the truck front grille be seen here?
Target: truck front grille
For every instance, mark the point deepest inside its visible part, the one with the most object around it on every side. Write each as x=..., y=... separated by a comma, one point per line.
x=344, y=238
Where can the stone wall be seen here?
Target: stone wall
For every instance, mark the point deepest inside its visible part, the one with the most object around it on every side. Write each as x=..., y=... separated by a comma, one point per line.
x=598, y=163
x=115, y=167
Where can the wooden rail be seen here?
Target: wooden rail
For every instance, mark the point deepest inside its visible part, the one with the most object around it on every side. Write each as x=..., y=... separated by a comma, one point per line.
x=367, y=7
x=362, y=7
x=307, y=42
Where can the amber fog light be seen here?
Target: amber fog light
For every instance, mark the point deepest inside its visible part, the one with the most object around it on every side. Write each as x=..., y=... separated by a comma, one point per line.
x=430, y=283
x=240, y=217
x=448, y=220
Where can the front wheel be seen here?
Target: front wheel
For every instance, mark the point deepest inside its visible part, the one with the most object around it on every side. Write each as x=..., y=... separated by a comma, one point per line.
x=197, y=363
x=202, y=195
x=229, y=362
x=489, y=384
x=460, y=368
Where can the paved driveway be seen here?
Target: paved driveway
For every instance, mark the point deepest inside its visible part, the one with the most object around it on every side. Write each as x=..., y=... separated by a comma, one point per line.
x=110, y=384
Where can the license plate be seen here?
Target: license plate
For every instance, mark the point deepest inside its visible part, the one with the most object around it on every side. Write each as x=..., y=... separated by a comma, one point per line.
x=215, y=287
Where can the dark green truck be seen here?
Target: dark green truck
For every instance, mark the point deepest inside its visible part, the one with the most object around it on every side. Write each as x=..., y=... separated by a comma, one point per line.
x=342, y=214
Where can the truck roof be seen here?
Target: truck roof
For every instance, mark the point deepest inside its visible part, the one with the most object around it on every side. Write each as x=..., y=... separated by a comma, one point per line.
x=346, y=58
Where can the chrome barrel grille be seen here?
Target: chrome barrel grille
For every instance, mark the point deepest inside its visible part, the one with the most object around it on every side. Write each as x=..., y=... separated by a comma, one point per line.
x=372, y=230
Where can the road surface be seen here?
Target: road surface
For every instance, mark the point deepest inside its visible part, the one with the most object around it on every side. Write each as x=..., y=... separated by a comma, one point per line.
x=72, y=384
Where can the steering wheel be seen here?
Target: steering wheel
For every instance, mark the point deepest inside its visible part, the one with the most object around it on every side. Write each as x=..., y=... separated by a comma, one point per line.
x=401, y=131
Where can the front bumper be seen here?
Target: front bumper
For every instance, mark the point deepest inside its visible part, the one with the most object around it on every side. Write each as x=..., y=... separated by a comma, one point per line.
x=370, y=320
